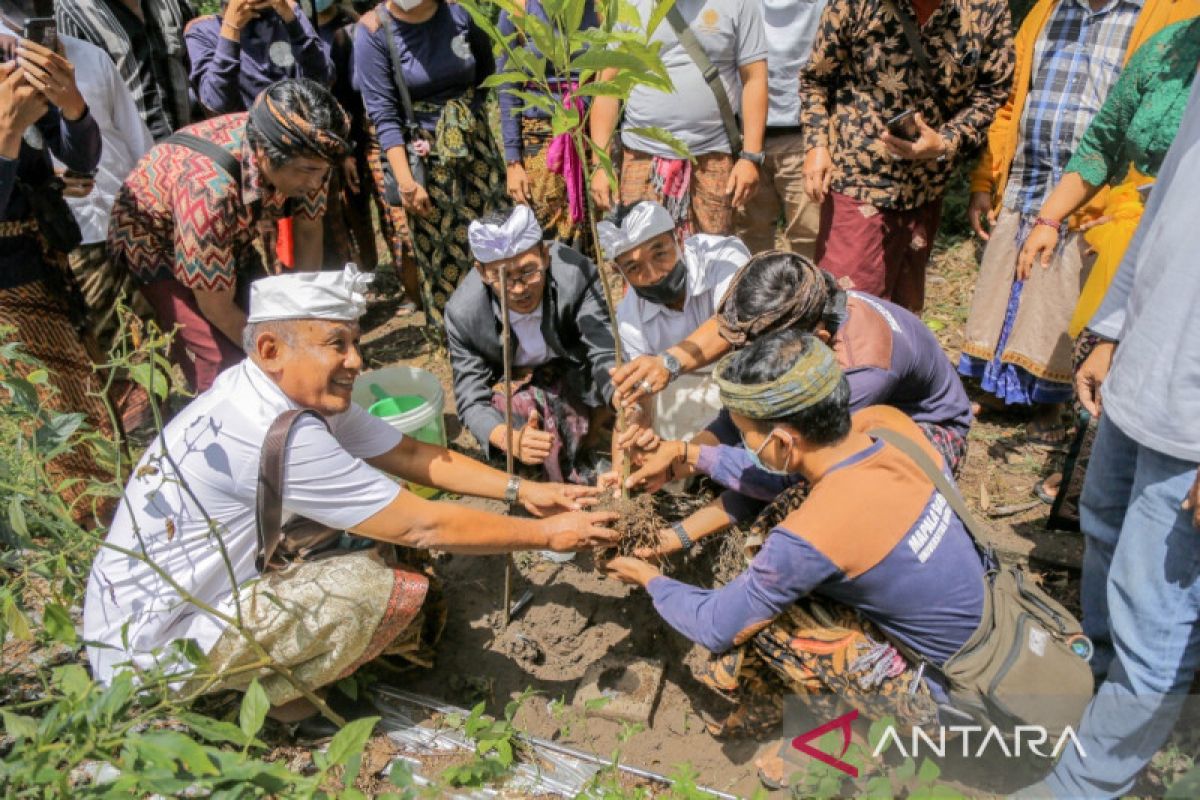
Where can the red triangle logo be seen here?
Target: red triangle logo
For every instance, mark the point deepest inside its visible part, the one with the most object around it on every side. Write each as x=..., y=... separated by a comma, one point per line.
x=843, y=722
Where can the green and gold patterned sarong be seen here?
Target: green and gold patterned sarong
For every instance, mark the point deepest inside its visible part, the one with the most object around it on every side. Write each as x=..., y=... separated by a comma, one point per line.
x=465, y=181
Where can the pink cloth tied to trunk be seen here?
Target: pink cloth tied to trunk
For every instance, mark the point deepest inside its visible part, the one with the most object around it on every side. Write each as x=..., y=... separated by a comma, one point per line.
x=563, y=159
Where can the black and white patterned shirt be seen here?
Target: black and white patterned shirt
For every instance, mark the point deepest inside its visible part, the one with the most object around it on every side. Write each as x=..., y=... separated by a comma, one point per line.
x=148, y=50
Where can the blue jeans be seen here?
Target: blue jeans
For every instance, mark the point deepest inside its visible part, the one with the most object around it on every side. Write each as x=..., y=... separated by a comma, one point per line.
x=1140, y=592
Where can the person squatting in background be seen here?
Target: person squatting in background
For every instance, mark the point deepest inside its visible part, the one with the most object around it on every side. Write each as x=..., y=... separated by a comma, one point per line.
x=187, y=228
x=561, y=344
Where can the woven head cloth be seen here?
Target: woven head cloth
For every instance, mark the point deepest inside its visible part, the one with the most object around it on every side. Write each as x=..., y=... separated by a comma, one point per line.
x=513, y=236
x=810, y=380
x=801, y=307
x=290, y=131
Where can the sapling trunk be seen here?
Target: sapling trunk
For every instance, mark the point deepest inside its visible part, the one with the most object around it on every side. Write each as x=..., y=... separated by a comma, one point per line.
x=606, y=284
x=506, y=349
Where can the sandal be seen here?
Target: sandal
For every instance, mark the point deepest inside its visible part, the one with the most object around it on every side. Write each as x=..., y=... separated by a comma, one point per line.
x=1046, y=434
x=772, y=770
x=1047, y=488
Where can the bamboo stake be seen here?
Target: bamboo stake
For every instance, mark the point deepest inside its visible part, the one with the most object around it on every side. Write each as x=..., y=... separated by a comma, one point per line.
x=505, y=334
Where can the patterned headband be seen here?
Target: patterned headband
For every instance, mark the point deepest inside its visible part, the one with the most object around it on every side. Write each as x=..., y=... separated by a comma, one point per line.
x=813, y=377
x=290, y=131
x=806, y=306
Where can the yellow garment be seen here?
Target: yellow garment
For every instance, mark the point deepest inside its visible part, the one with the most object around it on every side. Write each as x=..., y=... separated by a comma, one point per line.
x=991, y=173
x=1110, y=240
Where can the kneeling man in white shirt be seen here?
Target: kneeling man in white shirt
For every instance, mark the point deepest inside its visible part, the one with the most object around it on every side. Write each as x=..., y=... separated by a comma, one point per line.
x=207, y=531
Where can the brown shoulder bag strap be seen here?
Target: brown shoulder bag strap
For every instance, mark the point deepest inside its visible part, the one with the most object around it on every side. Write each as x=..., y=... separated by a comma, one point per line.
x=269, y=501
x=978, y=531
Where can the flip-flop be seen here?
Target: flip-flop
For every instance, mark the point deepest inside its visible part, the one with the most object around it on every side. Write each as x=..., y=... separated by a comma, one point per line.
x=1043, y=493
x=768, y=781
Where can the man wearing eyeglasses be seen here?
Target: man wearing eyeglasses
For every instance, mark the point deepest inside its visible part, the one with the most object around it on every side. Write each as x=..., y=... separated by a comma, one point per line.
x=561, y=347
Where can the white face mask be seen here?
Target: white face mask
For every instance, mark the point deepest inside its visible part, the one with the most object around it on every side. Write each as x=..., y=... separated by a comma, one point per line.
x=407, y=5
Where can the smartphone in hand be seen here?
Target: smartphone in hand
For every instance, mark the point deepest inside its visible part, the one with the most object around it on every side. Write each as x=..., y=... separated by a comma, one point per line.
x=904, y=126
x=43, y=31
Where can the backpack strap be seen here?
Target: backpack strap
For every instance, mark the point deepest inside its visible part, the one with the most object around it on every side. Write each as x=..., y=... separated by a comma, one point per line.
x=224, y=160
x=712, y=76
x=268, y=516
x=975, y=529
x=978, y=532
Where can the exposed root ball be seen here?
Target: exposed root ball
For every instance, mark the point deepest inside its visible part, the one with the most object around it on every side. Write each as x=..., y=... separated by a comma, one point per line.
x=642, y=517
x=639, y=523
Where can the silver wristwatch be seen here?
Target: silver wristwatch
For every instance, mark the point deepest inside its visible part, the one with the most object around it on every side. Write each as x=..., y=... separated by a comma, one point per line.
x=512, y=490
x=673, y=366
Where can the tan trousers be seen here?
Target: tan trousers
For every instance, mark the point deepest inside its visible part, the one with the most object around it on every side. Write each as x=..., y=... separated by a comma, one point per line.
x=780, y=191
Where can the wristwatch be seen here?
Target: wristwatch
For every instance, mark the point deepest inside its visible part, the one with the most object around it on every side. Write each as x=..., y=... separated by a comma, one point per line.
x=753, y=158
x=512, y=490
x=672, y=364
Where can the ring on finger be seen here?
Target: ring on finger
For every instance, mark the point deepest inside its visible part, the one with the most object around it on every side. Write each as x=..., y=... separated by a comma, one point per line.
x=646, y=387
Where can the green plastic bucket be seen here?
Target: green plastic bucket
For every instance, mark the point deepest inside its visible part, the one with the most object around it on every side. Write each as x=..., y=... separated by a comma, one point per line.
x=410, y=400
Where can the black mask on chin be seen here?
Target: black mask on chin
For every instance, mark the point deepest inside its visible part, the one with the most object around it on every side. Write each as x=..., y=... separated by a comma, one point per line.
x=668, y=291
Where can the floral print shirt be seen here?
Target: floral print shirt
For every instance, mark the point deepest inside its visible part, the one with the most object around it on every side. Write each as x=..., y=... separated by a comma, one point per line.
x=862, y=73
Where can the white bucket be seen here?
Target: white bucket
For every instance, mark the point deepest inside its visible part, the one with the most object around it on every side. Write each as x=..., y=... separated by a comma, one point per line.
x=424, y=422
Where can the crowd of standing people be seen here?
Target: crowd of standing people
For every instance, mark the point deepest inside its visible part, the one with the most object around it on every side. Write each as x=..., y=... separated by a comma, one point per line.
x=219, y=171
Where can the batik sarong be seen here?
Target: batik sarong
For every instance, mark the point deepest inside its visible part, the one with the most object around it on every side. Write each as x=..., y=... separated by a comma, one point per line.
x=646, y=177
x=465, y=182
x=557, y=398
x=827, y=655
x=48, y=331
x=548, y=189
x=324, y=619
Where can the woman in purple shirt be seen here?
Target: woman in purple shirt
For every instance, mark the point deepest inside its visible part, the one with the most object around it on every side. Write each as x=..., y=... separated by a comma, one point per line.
x=249, y=46
x=542, y=173
x=443, y=59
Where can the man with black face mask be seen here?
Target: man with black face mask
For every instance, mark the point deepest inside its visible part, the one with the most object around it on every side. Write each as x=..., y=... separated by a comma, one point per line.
x=676, y=287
